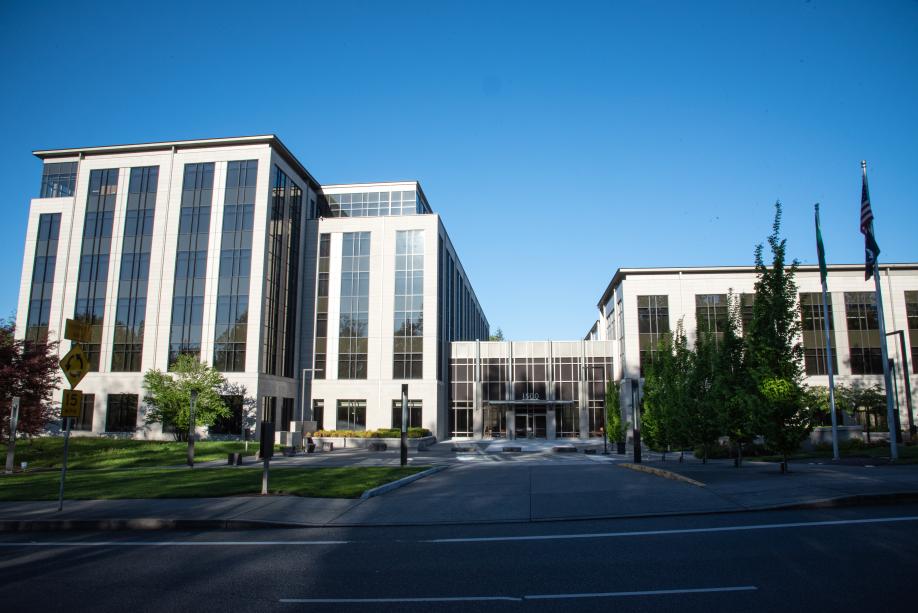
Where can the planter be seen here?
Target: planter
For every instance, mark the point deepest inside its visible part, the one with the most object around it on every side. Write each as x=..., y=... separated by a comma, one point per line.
x=364, y=443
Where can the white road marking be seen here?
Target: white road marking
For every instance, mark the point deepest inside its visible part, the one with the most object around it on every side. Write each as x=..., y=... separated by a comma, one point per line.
x=399, y=600
x=552, y=537
x=697, y=590
x=166, y=543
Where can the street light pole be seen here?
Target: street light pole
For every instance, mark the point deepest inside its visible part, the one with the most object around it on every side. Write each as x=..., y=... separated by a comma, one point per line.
x=194, y=398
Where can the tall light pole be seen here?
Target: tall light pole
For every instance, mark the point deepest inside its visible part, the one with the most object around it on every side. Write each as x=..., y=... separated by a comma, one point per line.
x=194, y=398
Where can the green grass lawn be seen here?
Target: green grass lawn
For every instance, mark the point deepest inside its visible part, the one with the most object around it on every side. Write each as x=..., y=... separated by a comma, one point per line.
x=108, y=484
x=92, y=452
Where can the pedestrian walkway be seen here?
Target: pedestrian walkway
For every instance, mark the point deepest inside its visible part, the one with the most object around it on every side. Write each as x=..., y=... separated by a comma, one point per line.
x=482, y=485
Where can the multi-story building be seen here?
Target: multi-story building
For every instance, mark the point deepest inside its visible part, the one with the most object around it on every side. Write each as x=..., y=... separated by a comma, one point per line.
x=640, y=305
x=230, y=251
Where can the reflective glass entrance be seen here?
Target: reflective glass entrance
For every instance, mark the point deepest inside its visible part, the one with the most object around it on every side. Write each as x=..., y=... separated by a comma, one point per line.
x=530, y=423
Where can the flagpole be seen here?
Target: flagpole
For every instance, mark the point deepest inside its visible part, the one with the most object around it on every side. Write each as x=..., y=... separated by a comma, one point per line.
x=825, y=323
x=884, y=352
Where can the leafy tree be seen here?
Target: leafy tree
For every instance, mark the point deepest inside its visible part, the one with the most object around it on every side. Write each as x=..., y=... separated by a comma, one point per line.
x=29, y=370
x=774, y=354
x=497, y=336
x=615, y=426
x=702, y=415
x=869, y=401
x=168, y=395
x=732, y=389
x=665, y=415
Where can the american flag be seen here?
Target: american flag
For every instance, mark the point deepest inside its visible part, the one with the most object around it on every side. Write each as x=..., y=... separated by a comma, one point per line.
x=871, y=249
x=866, y=211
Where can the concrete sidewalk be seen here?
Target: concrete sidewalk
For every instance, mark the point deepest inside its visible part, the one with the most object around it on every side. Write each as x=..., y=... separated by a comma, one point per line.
x=559, y=486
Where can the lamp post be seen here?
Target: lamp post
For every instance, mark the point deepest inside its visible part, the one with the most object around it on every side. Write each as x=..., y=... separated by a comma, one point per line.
x=194, y=398
x=403, y=447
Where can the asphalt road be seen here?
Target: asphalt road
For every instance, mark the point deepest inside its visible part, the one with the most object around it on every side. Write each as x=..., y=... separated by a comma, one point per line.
x=829, y=560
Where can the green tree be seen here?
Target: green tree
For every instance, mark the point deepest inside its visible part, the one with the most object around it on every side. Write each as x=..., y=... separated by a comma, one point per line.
x=702, y=415
x=168, y=395
x=615, y=425
x=665, y=410
x=28, y=369
x=497, y=336
x=732, y=389
x=774, y=354
x=869, y=402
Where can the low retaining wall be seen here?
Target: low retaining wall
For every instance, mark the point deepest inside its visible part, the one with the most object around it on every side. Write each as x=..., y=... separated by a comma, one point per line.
x=341, y=442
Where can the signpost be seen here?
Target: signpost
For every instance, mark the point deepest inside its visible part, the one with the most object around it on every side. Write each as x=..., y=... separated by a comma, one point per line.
x=403, y=448
x=75, y=366
x=14, y=421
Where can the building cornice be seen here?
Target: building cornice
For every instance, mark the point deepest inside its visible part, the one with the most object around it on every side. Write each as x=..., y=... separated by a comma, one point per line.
x=622, y=273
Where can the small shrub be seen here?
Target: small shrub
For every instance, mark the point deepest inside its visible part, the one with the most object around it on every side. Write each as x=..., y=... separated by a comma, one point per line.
x=381, y=433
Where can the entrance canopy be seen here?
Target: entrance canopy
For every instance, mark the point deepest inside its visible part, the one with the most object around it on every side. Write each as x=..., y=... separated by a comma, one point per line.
x=529, y=403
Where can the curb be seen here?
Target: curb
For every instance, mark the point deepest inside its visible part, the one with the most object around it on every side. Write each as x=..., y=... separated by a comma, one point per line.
x=394, y=485
x=661, y=472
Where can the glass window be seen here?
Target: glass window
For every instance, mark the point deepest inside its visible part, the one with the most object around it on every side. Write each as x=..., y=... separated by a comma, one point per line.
x=318, y=413
x=711, y=314
x=282, y=274
x=911, y=311
x=131, y=310
x=92, y=280
x=863, y=333
x=84, y=421
x=121, y=414
x=58, y=179
x=351, y=415
x=321, y=331
x=44, y=264
x=414, y=414
x=408, y=352
x=232, y=322
x=814, y=336
x=191, y=261
x=232, y=423
x=376, y=204
x=653, y=325
x=355, y=306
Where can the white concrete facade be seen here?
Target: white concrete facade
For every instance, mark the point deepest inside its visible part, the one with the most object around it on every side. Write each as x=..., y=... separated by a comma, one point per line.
x=618, y=314
x=450, y=307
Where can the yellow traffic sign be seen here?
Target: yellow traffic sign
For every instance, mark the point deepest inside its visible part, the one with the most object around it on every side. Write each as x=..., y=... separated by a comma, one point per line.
x=75, y=365
x=78, y=331
x=73, y=402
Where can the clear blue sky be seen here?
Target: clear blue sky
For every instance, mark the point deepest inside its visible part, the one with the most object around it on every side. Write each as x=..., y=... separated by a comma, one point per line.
x=559, y=141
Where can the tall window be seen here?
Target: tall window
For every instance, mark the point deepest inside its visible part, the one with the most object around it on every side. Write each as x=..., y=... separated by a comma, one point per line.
x=191, y=261
x=653, y=325
x=462, y=380
x=96, y=249
x=814, y=335
x=282, y=273
x=711, y=315
x=566, y=378
x=232, y=324
x=598, y=370
x=911, y=311
x=322, y=306
x=408, y=351
x=351, y=415
x=84, y=421
x=43, y=267
x=414, y=414
x=863, y=333
x=355, y=305
x=318, y=413
x=58, y=179
x=121, y=414
x=747, y=301
x=286, y=413
x=530, y=376
x=232, y=423
x=130, y=314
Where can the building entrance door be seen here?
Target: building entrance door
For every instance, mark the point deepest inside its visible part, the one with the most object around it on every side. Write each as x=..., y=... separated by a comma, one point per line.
x=530, y=423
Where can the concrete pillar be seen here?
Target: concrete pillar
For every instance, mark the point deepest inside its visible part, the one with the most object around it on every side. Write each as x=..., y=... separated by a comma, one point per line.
x=551, y=428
